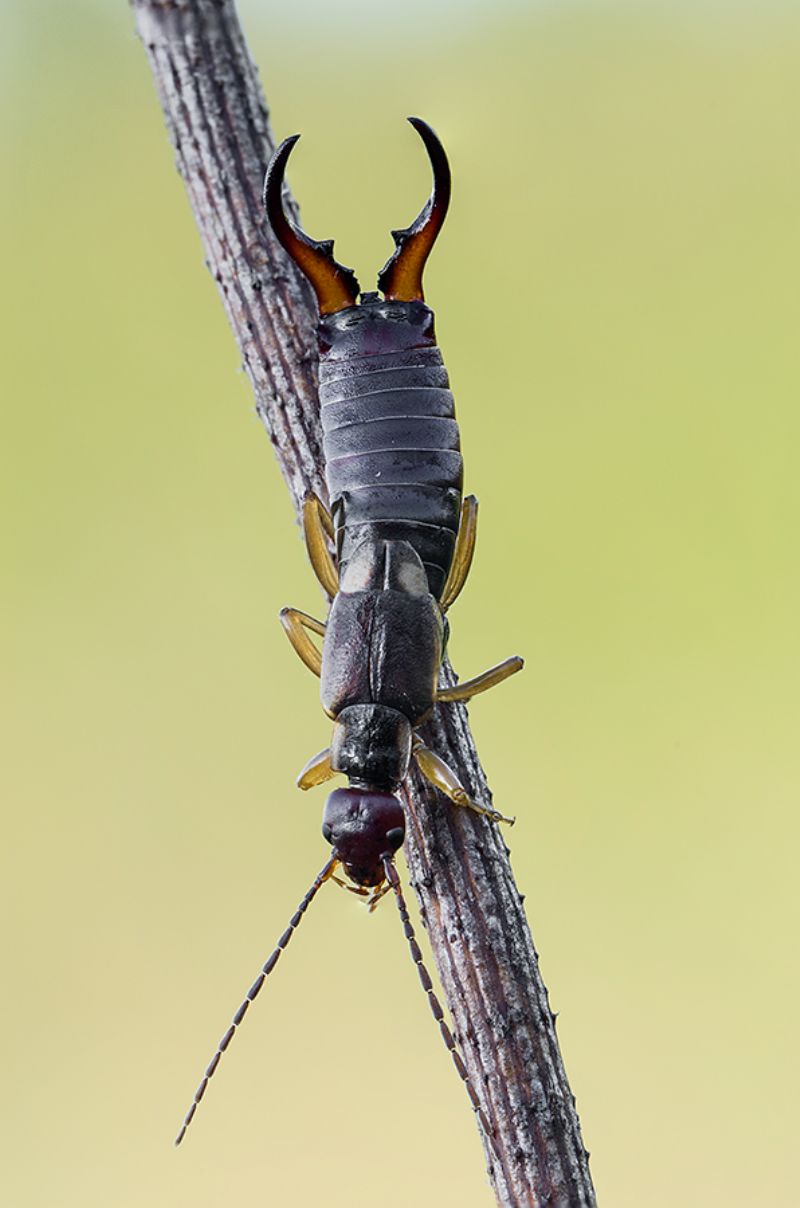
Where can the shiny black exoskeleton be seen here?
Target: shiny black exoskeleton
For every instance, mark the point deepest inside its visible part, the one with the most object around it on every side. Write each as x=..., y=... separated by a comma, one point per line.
x=392, y=451
x=380, y=664
x=403, y=540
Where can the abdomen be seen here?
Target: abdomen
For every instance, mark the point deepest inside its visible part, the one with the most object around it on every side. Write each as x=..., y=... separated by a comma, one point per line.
x=392, y=450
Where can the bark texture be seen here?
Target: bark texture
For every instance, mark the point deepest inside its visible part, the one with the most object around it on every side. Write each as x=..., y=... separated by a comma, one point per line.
x=459, y=867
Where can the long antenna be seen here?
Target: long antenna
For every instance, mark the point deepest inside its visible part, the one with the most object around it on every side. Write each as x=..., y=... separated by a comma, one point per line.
x=433, y=1001
x=252, y=993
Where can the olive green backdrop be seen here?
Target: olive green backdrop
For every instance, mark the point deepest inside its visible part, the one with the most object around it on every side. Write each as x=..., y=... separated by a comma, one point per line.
x=617, y=300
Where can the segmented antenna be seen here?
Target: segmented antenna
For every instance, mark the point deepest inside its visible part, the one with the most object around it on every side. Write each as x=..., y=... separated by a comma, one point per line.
x=433, y=1001
x=266, y=969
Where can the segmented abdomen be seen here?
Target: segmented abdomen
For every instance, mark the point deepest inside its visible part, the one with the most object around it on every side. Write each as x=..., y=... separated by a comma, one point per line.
x=393, y=464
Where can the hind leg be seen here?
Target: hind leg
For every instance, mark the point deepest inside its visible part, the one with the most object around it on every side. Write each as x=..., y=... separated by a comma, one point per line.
x=316, y=522
x=462, y=554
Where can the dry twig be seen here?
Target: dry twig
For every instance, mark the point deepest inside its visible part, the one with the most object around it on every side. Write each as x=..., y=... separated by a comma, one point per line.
x=218, y=122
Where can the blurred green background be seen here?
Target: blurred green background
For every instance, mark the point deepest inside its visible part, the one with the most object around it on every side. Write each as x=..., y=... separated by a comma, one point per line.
x=617, y=300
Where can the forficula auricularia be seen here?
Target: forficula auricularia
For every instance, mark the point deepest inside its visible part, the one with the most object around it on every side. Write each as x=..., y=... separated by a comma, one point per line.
x=404, y=543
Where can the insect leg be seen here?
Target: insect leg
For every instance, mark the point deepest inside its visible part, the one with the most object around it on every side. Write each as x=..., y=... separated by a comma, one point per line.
x=296, y=623
x=266, y=969
x=317, y=770
x=319, y=555
x=462, y=554
x=482, y=683
x=442, y=777
x=433, y=1001
x=325, y=517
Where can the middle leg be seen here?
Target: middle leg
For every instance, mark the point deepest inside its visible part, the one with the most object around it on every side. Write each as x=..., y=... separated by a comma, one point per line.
x=482, y=683
x=297, y=624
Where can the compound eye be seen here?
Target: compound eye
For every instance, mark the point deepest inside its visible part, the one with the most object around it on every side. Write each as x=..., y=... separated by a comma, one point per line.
x=327, y=832
x=395, y=837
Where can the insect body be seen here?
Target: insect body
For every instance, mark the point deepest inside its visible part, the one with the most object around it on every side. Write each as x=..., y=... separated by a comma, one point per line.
x=404, y=541
x=391, y=441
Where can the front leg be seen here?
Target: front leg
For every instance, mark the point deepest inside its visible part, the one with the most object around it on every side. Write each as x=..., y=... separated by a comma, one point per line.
x=442, y=777
x=317, y=770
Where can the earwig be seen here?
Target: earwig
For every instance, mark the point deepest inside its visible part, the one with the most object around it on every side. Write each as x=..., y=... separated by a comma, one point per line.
x=403, y=539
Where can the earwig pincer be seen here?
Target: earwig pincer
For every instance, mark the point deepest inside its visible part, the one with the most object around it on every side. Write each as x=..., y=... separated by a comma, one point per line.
x=403, y=541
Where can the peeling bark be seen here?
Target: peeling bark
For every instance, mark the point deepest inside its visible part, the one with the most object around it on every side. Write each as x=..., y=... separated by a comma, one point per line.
x=219, y=126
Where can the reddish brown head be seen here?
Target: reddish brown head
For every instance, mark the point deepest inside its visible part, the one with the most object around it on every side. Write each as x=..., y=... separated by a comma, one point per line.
x=364, y=827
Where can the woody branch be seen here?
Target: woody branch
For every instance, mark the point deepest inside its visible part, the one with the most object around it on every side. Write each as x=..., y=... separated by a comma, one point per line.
x=459, y=865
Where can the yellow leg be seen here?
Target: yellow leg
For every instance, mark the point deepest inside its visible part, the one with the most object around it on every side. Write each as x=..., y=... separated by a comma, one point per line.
x=462, y=555
x=317, y=771
x=437, y=773
x=296, y=624
x=482, y=683
x=325, y=518
x=318, y=552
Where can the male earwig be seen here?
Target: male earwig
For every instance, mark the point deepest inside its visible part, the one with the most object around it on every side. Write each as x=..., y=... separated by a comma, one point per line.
x=404, y=542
